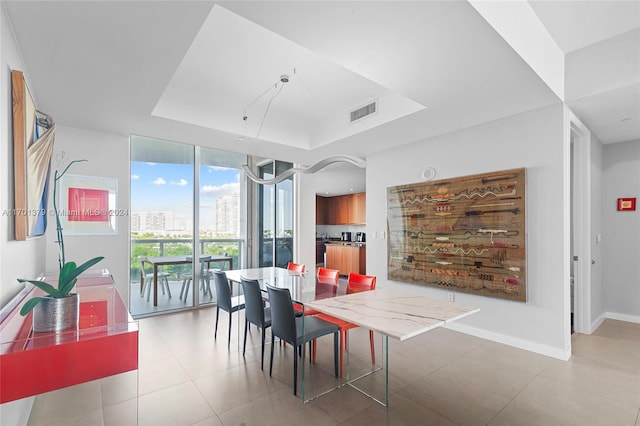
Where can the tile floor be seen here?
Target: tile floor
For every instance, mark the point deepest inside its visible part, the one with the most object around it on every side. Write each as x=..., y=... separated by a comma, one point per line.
x=440, y=378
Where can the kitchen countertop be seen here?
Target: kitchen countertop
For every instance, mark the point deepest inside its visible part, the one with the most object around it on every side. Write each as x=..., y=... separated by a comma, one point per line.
x=346, y=243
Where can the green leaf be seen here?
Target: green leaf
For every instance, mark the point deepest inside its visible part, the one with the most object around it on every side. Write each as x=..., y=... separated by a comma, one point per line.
x=67, y=269
x=31, y=303
x=46, y=287
x=69, y=274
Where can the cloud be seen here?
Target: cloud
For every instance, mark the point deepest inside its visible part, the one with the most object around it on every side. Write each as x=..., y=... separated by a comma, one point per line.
x=214, y=168
x=221, y=190
x=150, y=163
x=159, y=181
x=181, y=182
x=134, y=177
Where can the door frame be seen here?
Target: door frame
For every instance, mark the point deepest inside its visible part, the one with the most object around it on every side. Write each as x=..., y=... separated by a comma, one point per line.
x=580, y=137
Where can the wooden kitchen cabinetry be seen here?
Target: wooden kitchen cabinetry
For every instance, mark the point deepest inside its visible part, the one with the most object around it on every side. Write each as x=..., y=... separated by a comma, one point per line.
x=321, y=210
x=341, y=210
x=347, y=258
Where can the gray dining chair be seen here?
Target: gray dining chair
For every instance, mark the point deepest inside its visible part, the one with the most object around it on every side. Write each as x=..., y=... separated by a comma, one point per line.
x=288, y=327
x=255, y=312
x=205, y=279
x=147, y=279
x=224, y=300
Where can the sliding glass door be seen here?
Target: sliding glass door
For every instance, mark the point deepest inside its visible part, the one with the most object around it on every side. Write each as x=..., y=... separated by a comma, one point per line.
x=275, y=218
x=175, y=189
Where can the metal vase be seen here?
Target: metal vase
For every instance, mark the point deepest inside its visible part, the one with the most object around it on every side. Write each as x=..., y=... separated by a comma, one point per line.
x=56, y=314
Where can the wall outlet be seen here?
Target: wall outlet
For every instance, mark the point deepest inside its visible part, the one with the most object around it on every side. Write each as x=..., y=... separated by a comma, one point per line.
x=451, y=297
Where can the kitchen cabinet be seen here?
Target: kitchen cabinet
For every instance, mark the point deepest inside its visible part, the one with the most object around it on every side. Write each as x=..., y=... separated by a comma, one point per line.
x=320, y=250
x=321, y=210
x=358, y=211
x=341, y=210
x=347, y=258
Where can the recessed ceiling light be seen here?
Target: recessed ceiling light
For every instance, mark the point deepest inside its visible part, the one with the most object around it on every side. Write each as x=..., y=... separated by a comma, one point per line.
x=626, y=119
x=240, y=138
x=351, y=189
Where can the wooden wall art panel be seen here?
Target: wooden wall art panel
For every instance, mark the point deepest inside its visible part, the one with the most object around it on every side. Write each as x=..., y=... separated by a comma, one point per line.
x=463, y=234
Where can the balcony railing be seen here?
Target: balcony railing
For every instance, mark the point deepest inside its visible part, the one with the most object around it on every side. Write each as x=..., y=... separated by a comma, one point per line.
x=152, y=247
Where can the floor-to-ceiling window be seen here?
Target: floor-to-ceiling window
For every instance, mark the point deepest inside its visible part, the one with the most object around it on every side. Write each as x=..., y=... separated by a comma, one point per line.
x=275, y=218
x=175, y=189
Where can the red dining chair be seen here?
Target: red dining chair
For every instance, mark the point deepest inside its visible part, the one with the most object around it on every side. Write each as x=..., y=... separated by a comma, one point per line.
x=295, y=267
x=327, y=281
x=355, y=283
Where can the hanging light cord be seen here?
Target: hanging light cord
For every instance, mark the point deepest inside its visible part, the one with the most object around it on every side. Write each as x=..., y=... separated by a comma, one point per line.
x=266, y=110
x=283, y=79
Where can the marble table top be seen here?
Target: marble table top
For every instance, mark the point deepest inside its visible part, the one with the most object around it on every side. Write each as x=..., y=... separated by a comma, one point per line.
x=395, y=314
x=268, y=273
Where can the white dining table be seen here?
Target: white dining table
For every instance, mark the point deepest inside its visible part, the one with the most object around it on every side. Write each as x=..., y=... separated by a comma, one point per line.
x=394, y=314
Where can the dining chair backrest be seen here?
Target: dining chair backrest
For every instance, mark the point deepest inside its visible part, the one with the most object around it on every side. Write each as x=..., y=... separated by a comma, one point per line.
x=359, y=282
x=328, y=276
x=295, y=267
x=141, y=260
x=253, y=302
x=222, y=290
x=283, y=322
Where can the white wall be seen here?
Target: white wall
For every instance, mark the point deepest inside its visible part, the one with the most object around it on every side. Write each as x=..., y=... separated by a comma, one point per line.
x=18, y=259
x=306, y=218
x=107, y=156
x=621, y=231
x=534, y=140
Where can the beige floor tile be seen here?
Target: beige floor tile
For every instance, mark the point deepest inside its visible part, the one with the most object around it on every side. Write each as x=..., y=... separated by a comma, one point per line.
x=119, y=388
x=92, y=418
x=597, y=378
x=492, y=370
x=401, y=412
x=518, y=413
x=572, y=405
x=207, y=361
x=66, y=403
x=342, y=403
x=175, y=406
x=211, y=421
x=436, y=348
x=510, y=357
x=276, y=408
x=460, y=401
x=236, y=386
x=619, y=330
x=614, y=352
x=161, y=374
x=150, y=350
x=122, y=414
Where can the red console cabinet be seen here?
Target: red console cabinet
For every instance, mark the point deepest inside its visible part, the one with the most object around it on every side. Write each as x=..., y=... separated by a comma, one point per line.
x=105, y=343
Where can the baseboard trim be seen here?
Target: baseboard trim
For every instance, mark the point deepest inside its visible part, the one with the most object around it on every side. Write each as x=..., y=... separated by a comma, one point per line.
x=623, y=317
x=597, y=323
x=545, y=350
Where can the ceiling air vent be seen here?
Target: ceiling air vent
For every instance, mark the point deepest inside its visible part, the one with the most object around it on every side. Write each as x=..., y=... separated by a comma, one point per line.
x=363, y=112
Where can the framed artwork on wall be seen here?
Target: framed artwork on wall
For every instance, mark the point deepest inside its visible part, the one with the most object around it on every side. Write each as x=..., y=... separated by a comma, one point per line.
x=33, y=138
x=88, y=205
x=626, y=204
x=464, y=234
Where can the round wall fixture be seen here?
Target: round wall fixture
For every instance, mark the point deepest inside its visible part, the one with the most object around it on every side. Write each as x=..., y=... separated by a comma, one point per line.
x=428, y=173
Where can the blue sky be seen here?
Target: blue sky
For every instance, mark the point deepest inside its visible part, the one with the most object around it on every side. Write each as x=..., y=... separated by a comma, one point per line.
x=162, y=186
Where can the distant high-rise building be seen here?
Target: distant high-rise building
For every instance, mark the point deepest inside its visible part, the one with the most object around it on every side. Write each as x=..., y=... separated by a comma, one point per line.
x=136, y=222
x=228, y=214
x=154, y=222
